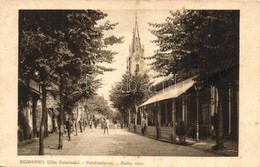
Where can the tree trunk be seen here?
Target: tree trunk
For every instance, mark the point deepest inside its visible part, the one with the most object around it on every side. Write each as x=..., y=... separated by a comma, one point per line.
x=34, y=125
x=53, y=121
x=129, y=119
x=61, y=127
x=136, y=112
x=76, y=128
x=46, y=129
x=76, y=122
x=43, y=120
x=220, y=139
x=84, y=122
x=125, y=118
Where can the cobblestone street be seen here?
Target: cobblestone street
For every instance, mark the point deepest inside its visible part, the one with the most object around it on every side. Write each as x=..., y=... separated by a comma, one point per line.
x=118, y=142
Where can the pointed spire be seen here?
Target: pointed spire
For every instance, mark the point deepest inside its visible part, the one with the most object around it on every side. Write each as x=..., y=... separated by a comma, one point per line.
x=136, y=37
x=136, y=27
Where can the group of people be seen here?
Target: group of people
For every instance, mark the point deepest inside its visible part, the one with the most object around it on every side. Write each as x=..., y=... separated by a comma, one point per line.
x=104, y=125
x=69, y=125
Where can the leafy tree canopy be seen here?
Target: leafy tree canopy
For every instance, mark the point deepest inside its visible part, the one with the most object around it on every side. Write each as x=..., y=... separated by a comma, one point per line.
x=70, y=41
x=202, y=42
x=99, y=105
x=130, y=91
x=67, y=42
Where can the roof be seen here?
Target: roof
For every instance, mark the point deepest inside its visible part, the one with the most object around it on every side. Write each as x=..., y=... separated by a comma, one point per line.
x=161, y=79
x=170, y=92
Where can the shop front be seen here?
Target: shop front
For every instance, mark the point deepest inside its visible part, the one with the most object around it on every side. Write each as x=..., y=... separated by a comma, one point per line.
x=164, y=110
x=29, y=109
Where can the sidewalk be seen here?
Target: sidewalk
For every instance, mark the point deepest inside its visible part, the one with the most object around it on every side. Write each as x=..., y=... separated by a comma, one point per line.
x=231, y=146
x=51, y=142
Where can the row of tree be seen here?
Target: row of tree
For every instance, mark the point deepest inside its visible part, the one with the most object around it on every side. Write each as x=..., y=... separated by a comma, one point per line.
x=59, y=47
x=200, y=43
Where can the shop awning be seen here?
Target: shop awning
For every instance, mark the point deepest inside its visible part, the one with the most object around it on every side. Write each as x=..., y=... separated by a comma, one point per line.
x=170, y=92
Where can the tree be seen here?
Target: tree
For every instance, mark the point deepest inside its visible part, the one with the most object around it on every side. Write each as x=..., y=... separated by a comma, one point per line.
x=59, y=45
x=98, y=105
x=201, y=42
x=130, y=92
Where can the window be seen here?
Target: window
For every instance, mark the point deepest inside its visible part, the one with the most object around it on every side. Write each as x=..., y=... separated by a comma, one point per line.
x=137, y=68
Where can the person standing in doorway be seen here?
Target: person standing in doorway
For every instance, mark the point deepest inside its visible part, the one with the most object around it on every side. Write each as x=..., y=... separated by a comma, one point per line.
x=106, y=126
x=68, y=127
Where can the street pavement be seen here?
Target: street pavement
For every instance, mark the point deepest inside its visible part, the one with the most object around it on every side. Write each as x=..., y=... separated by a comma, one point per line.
x=118, y=142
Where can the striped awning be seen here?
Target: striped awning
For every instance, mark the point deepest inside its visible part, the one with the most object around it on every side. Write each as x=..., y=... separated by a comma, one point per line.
x=170, y=92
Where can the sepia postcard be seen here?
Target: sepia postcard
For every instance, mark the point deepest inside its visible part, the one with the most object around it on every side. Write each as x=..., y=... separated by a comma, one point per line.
x=129, y=83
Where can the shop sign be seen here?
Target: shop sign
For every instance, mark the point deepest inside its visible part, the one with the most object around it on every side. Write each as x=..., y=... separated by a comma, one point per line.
x=34, y=85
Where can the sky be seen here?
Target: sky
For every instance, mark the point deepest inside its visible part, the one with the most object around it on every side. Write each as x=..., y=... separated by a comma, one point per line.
x=126, y=20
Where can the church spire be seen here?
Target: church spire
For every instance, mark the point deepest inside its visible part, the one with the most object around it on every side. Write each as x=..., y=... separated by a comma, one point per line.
x=136, y=27
x=136, y=45
x=135, y=62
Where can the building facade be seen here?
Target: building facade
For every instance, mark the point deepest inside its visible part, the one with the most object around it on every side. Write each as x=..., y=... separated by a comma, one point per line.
x=30, y=110
x=135, y=60
x=197, y=108
x=52, y=101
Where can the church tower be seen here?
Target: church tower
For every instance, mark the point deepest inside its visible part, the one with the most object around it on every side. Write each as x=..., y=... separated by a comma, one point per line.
x=135, y=61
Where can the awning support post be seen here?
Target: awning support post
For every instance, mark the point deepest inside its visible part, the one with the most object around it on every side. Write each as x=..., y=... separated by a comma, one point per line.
x=173, y=121
x=197, y=118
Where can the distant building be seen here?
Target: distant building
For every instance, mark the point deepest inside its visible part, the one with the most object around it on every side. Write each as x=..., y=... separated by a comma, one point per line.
x=135, y=60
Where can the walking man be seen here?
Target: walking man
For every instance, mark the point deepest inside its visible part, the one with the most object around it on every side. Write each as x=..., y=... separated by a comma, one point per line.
x=106, y=126
x=68, y=127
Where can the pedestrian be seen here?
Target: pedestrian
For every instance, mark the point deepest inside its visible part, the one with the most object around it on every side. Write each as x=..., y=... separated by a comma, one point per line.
x=95, y=124
x=106, y=126
x=90, y=124
x=68, y=127
x=80, y=125
x=102, y=123
x=122, y=125
x=182, y=132
x=85, y=124
x=143, y=124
